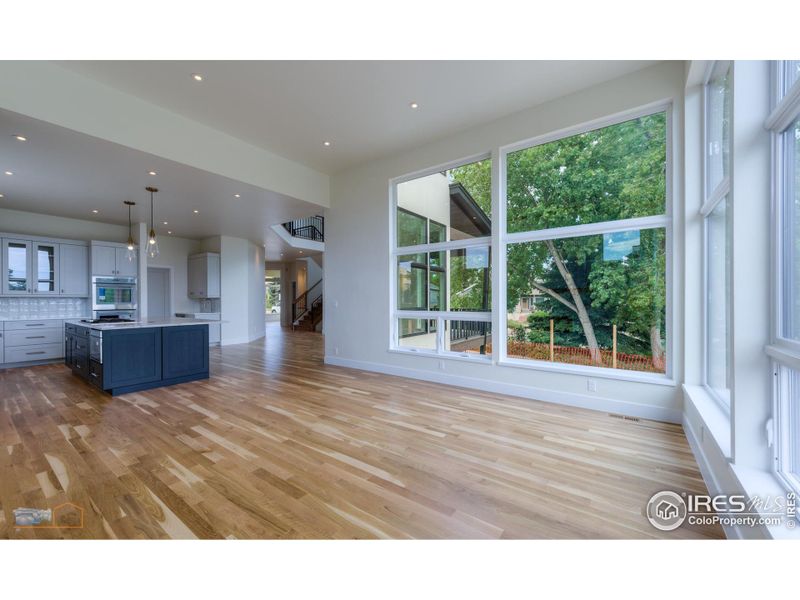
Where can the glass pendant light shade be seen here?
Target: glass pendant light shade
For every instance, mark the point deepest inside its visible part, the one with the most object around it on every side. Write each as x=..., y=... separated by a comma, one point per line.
x=130, y=254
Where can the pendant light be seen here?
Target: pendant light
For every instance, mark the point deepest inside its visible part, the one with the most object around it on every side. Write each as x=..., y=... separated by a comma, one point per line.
x=131, y=253
x=152, y=243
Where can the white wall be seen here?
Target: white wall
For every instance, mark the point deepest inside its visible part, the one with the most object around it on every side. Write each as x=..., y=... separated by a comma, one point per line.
x=242, y=301
x=174, y=252
x=357, y=254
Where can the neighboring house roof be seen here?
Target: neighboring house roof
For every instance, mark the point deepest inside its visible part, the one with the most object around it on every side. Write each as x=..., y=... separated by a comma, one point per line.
x=465, y=214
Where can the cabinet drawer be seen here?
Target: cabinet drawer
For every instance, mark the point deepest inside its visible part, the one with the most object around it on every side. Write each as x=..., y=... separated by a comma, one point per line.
x=28, y=353
x=29, y=325
x=31, y=337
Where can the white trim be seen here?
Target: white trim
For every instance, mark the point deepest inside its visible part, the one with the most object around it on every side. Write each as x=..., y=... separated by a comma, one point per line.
x=785, y=354
x=447, y=315
x=719, y=193
x=786, y=112
x=587, y=371
x=632, y=409
x=449, y=354
x=599, y=123
x=482, y=242
x=452, y=164
x=571, y=231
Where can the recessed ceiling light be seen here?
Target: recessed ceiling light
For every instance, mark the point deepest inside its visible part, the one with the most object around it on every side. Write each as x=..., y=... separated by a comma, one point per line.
x=301, y=251
x=237, y=195
x=152, y=173
x=197, y=77
x=21, y=138
x=169, y=232
x=9, y=172
x=196, y=212
x=95, y=211
x=165, y=223
x=326, y=144
x=2, y=196
x=414, y=105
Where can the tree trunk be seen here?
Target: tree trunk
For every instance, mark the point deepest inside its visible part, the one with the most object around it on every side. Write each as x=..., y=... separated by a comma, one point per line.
x=656, y=348
x=580, y=309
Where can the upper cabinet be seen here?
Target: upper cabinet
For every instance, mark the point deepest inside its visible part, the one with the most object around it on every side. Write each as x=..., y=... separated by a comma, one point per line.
x=39, y=267
x=204, y=276
x=74, y=270
x=111, y=261
x=30, y=267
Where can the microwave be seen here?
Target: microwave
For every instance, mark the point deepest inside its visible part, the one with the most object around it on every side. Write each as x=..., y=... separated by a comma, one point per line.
x=113, y=293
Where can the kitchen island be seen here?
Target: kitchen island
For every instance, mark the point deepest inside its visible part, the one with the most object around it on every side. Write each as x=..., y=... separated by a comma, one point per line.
x=119, y=358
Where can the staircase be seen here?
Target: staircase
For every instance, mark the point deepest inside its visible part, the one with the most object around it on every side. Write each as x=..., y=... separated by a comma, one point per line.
x=307, y=309
x=310, y=228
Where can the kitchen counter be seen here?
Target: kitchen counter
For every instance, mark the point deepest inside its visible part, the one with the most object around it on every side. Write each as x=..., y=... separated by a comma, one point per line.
x=120, y=358
x=171, y=322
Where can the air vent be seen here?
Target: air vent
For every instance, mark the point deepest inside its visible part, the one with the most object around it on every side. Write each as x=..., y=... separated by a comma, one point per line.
x=624, y=418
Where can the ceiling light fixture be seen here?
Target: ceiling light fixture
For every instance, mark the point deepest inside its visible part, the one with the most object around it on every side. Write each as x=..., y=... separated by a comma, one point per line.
x=9, y=172
x=153, y=173
x=165, y=223
x=414, y=105
x=197, y=77
x=130, y=254
x=95, y=211
x=326, y=144
x=237, y=195
x=21, y=138
x=152, y=250
x=169, y=232
x=196, y=211
x=2, y=196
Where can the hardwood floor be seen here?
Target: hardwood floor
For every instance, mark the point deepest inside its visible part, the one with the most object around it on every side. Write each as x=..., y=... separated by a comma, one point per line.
x=278, y=445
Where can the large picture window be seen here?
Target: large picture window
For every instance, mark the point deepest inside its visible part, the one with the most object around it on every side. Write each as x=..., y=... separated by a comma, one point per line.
x=443, y=261
x=586, y=248
x=717, y=233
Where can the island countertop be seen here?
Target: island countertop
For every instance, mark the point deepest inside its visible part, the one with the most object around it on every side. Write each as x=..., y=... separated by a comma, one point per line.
x=171, y=322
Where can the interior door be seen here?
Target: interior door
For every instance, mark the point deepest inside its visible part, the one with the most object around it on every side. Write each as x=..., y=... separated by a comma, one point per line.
x=158, y=305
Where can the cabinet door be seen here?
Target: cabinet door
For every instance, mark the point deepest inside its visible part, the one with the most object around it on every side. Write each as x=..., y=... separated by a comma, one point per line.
x=74, y=270
x=125, y=267
x=17, y=267
x=213, y=277
x=104, y=261
x=197, y=277
x=44, y=268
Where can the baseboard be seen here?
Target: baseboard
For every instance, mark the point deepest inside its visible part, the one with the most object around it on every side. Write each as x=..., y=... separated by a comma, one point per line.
x=711, y=481
x=630, y=409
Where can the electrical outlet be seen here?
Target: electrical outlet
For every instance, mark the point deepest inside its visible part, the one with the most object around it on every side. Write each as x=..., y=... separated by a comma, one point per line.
x=591, y=385
x=441, y=365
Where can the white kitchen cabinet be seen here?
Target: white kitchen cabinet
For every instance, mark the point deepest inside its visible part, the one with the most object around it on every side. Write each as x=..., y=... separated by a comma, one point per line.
x=204, y=276
x=73, y=270
x=30, y=267
x=111, y=261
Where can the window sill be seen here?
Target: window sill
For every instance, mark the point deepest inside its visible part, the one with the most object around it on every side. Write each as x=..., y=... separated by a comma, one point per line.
x=479, y=358
x=600, y=372
x=715, y=419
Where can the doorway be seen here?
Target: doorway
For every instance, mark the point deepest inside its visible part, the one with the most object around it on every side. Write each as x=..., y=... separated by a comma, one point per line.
x=159, y=296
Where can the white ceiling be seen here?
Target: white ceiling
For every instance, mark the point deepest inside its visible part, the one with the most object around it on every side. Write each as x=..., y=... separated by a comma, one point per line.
x=362, y=107
x=61, y=172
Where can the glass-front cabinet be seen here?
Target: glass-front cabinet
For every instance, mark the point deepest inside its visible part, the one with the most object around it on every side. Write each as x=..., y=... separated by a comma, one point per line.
x=30, y=267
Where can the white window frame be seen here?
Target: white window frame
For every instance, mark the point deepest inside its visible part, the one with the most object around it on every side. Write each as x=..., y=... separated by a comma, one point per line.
x=784, y=352
x=711, y=199
x=439, y=316
x=650, y=222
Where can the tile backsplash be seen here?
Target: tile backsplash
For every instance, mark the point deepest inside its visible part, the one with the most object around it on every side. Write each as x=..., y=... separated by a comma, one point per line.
x=43, y=308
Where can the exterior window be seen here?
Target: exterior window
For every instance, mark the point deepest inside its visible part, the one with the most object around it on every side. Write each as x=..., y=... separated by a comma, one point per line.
x=448, y=213
x=586, y=248
x=784, y=124
x=716, y=213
